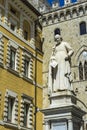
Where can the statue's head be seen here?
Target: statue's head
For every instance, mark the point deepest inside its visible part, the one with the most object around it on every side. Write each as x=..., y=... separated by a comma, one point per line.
x=58, y=38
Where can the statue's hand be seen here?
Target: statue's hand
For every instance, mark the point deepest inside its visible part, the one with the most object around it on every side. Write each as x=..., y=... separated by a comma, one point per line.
x=67, y=58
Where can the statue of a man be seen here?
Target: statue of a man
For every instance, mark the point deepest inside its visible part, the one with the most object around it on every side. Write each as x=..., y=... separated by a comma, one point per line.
x=59, y=67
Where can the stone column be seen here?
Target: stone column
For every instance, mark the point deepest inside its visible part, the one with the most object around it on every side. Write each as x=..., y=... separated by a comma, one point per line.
x=82, y=125
x=81, y=128
x=21, y=25
x=70, y=125
x=47, y=125
x=32, y=28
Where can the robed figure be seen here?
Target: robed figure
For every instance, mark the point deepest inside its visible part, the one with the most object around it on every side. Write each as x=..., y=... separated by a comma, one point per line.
x=59, y=77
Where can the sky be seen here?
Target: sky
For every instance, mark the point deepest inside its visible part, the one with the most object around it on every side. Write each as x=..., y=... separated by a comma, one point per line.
x=60, y=1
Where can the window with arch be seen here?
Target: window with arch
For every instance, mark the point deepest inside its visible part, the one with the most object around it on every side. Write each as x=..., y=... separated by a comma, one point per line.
x=57, y=31
x=83, y=65
x=11, y=105
x=85, y=70
x=82, y=28
x=26, y=30
x=80, y=71
x=26, y=112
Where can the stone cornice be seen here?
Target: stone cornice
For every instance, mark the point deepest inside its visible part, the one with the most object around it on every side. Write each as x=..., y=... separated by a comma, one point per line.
x=30, y=6
x=63, y=14
x=27, y=8
x=71, y=109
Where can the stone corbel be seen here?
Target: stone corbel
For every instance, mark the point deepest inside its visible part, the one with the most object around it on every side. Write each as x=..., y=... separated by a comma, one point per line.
x=32, y=41
x=58, y=16
x=46, y=20
x=84, y=9
x=1, y=36
x=40, y=20
x=71, y=13
x=52, y=18
x=77, y=10
x=64, y=14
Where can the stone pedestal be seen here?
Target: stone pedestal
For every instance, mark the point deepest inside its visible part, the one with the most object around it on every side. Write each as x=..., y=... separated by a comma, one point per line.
x=62, y=98
x=63, y=113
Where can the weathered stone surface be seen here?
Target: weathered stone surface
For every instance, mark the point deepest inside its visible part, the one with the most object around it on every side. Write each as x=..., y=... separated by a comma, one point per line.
x=70, y=31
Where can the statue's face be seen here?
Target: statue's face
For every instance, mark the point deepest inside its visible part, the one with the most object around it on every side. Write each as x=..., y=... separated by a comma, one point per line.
x=58, y=38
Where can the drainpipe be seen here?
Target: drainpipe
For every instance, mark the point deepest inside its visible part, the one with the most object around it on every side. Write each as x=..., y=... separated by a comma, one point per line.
x=35, y=120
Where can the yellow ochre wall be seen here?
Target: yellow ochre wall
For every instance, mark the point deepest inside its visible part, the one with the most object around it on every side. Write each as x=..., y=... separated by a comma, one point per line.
x=17, y=84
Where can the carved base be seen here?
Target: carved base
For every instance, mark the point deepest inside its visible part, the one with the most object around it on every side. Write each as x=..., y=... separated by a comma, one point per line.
x=63, y=113
x=62, y=98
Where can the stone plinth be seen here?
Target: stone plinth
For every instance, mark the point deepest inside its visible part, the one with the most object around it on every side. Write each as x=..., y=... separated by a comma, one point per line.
x=62, y=98
x=63, y=113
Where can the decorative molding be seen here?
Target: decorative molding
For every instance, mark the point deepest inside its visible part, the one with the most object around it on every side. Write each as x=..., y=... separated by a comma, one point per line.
x=63, y=14
x=0, y=100
x=31, y=69
x=15, y=115
x=28, y=55
x=13, y=44
x=1, y=48
x=81, y=49
x=8, y=55
x=16, y=47
x=22, y=64
x=18, y=60
x=30, y=112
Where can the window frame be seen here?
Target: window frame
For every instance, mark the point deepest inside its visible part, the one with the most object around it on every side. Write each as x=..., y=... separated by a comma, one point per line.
x=25, y=34
x=27, y=28
x=28, y=101
x=13, y=22
x=11, y=101
x=14, y=116
x=59, y=124
x=26, y=110
x=81, y=25
x=27, y=67
x=12, y=58
x=85, y=70
x=15, y=47
x=81, y=71
x=57, y=31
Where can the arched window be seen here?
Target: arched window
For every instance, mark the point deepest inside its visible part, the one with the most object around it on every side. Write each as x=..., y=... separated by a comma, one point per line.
x=26, y=30
x=82, y=28
x=80, y=71
x=85, y=70
x=57, y=31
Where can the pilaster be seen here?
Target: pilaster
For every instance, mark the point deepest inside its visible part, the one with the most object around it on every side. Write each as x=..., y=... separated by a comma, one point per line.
x=21, y=25
x=47, y=125
x=6, y=12
x=70, y=125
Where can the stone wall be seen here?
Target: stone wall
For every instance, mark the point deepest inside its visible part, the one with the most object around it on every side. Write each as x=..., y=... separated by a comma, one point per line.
x=67, y=19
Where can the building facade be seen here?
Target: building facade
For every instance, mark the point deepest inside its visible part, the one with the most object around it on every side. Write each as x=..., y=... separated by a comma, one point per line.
x=21, y=61
x=69, y=21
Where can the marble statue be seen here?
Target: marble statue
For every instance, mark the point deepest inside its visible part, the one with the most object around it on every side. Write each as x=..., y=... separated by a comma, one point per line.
x=59, y=77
